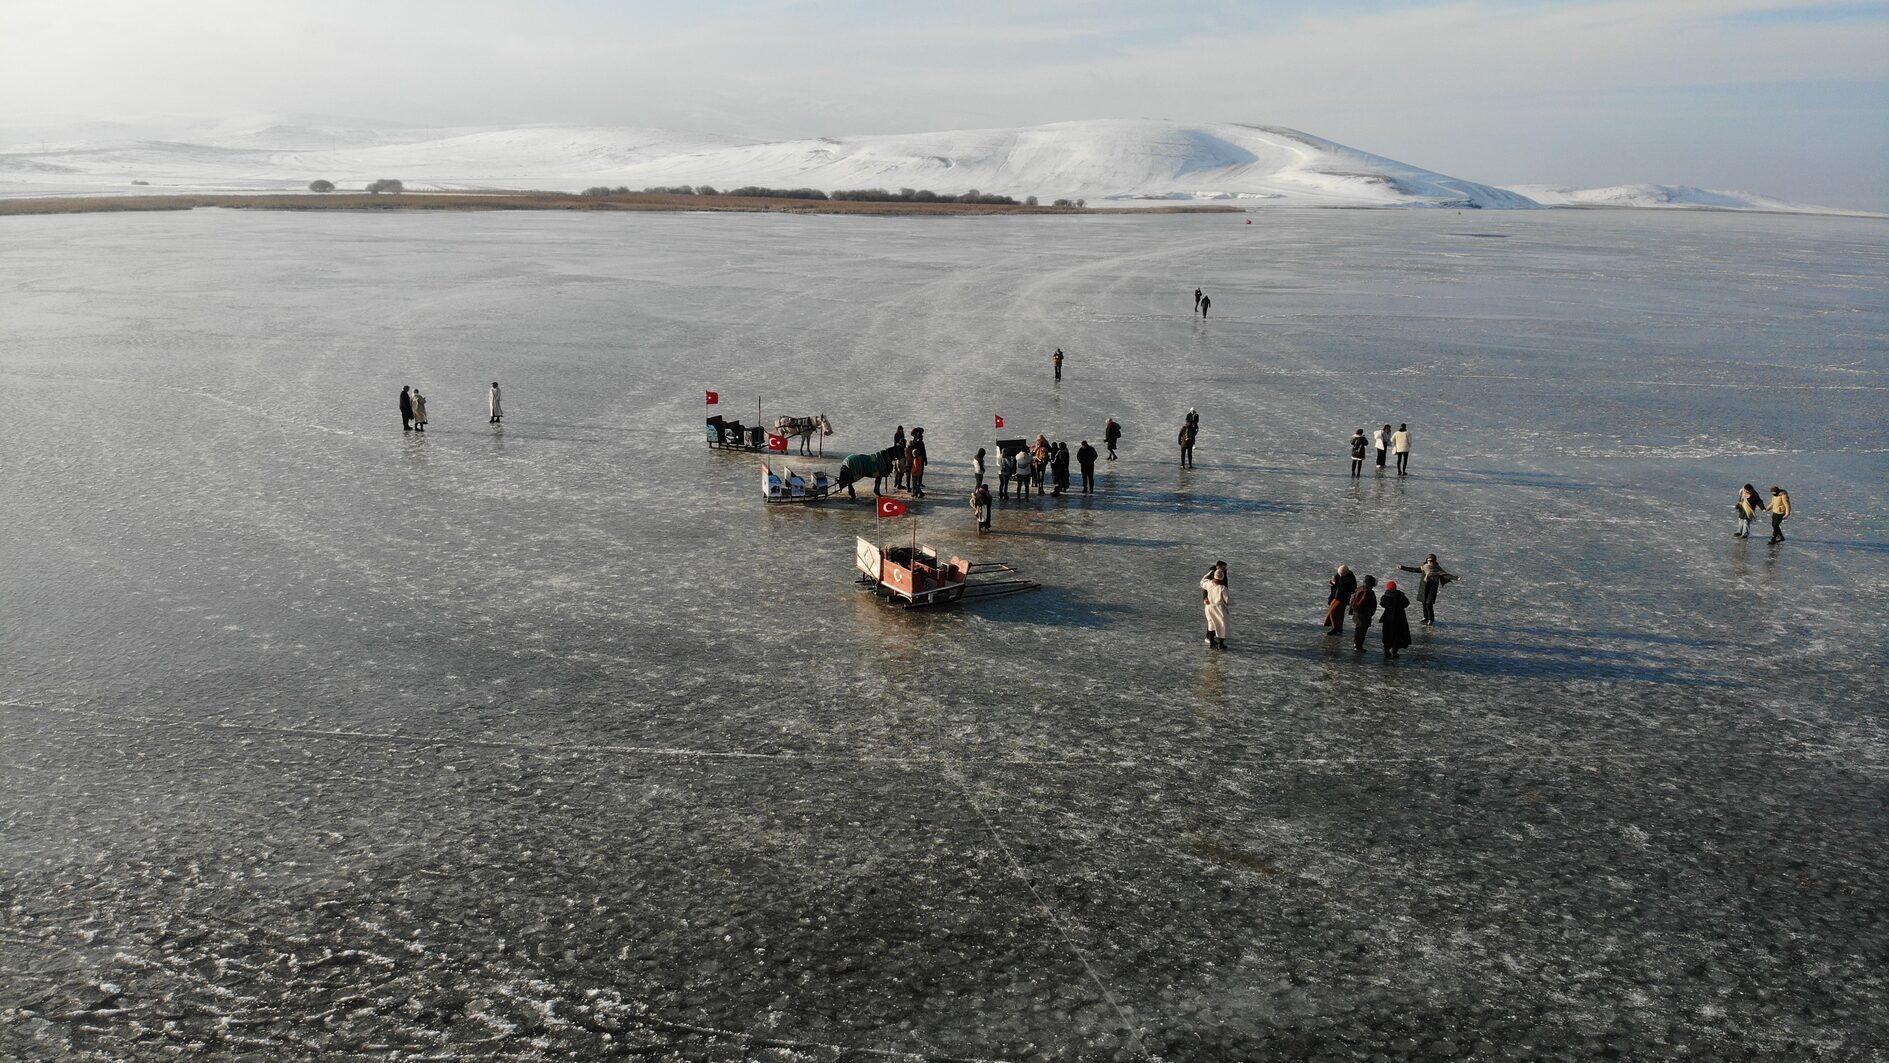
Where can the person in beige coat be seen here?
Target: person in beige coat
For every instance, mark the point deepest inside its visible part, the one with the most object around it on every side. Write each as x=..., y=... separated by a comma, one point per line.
x=419, y=411
x=1214, y=600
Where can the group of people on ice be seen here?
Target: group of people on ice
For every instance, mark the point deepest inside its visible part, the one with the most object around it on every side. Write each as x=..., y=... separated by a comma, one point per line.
x=412, y=405
x=1386, y=443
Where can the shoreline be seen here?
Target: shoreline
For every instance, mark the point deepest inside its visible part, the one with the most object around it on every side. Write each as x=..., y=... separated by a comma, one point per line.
x=492, y=201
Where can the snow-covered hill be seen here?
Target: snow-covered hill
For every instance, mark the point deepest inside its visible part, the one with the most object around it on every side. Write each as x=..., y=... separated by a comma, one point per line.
x=1669, y=197
x=1118, y=161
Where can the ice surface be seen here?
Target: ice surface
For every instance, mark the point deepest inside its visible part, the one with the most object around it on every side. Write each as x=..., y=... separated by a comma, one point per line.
x=318, y=740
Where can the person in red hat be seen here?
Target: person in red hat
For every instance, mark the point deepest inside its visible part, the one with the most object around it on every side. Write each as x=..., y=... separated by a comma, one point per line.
x=1395, y=623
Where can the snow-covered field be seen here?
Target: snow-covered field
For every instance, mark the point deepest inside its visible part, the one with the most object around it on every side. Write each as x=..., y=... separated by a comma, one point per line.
x=1672, y=197
x=318, y=740
x=1117, y=162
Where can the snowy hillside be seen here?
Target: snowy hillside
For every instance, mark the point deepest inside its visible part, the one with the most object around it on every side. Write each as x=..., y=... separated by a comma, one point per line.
x=1118, y=161
x=1670, y=197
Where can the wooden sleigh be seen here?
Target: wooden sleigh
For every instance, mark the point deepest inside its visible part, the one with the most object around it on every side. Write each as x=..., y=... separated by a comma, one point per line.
x=913, y=576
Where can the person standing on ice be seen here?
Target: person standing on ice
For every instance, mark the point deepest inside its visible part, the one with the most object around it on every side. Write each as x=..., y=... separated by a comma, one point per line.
x=1196, y=300
x=1381, y=440
x=1363, y=608
x=498, y=412
x=1749, y=503
x=1433, y=580
x=1396, y=625
x=1006, y=471
x=1400, y=444
x=1111, y=435
x=915, y=458
x=406, y=408
x=1215, y=602
x=1056, y=360
x=1205, y=302
x=1338, y=599
x=1186, y=440
x=977, y=468
x=898, y=460
x=419, y=411
x=981, y=506
x=1358, y=443
x=1780, y=512
x=1059, y=466
x=1085, y=457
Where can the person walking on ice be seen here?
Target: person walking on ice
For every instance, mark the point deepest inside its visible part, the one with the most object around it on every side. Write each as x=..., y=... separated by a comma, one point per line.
x=1433, y=580
x=419, y=411
x=406, y=408
x=1395, y=624
x=1400, y=445
x=1186, y=440
x=1111, y=435
x=1780, y=510
x=1056, y=360
x=1358, y=443
x=1205, y=302
x=1363, y=608
x=498, y=411
x=1197, y=298
x=1085, y=459
x=1749, y=503
x=1214, y=600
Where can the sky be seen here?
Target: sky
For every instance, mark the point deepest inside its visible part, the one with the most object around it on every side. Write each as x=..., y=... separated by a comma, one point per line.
x=1785, y=97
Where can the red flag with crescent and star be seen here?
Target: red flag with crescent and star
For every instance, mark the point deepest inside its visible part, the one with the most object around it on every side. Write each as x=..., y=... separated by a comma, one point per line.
x=890, y=507
x=777, y=443
x=1000, y=420
x=714, y=397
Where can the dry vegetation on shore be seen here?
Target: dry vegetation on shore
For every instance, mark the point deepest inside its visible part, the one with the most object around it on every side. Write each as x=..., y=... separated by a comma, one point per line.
x=634, y=201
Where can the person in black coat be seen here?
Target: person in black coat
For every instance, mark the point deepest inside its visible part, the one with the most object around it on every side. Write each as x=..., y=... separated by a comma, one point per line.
x=1396, y=625
x=1363, y=608
x=1059, y=465
x=406, y=409
x=1111, y=435
x=1338, y=599
x=1085, y=457
x=1358, y=443
x=898, y=460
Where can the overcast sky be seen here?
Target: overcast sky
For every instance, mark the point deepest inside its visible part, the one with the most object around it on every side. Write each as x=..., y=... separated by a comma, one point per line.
x=1786, y=97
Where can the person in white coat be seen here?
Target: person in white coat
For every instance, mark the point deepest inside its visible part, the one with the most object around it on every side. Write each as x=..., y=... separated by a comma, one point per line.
x=498, y=412
x=1213, y=596
x=1400, y=445
x=1380, y=442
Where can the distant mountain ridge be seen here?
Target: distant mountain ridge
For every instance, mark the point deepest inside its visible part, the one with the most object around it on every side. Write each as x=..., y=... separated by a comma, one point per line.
x=1112, y=161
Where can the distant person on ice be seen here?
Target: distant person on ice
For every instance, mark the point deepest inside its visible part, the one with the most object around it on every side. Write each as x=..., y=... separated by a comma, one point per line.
x=1056, y=360
x=1780, y=508
x=1111, y=435
x=1186, y=440
x=1085, y=457
x=1338, y=599
x=1358, y=443
x=1381, y=440
x=977, y=467
x=419, y=411
x=1400, y=445
x=406, y=408
x=1363, y=608
x=1433, y=580
x=1749, y=503
x=1206, y=301
x=915, y=458
x=1196, y=300
x=1396, y=624
x=1006, y=471
x=1213, y=597
x=981, y=506
x=900, y=463
x=498, y=412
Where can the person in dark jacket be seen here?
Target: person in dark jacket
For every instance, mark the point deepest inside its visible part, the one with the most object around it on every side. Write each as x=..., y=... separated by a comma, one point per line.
x=1396, y=624
x=406, y=408
x=1085, y=457
x=1197, y=298
x=1363, y=608
x=1111, y=435
x=915, y=459
x=898, y=460
x=1358, y=443
x=1206, y=301
x=1186, y=440
x=1059, y=465
x=1338, y=599
x=1433, y=580
x=1057, y=361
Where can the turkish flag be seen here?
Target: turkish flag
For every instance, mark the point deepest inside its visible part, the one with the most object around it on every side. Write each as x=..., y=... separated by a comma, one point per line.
x=714, y=397
x=890, y=507
x=1000, y=420
x=777, y=443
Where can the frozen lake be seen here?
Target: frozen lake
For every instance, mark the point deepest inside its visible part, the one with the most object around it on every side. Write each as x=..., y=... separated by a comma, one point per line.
x=321, y=739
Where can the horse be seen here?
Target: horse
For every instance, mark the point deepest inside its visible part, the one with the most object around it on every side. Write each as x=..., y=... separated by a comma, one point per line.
x=857, y=468
x=804, y=428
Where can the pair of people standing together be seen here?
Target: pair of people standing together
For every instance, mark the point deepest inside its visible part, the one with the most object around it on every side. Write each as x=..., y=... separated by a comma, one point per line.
x=1750, y=504
x=412, y=409
x=908, y=467
x=1385, y=442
